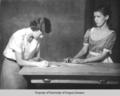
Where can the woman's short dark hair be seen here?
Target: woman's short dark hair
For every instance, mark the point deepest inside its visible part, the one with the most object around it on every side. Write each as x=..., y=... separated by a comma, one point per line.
x=47, y=24
x=34, y=25
x=38, y=23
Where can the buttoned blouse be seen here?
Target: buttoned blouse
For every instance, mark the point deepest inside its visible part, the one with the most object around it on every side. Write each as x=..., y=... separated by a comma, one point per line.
x=18, y=42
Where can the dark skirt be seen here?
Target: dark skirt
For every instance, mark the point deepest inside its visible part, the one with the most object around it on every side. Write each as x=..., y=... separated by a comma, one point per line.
x=10, y=77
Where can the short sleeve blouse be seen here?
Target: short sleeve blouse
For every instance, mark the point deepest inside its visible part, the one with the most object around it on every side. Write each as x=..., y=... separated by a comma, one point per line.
x=99, y=46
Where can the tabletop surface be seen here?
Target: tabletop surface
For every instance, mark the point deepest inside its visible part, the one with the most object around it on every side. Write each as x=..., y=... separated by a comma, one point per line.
x=60, y=68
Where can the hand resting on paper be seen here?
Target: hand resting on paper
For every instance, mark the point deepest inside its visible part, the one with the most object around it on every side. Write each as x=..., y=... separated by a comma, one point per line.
x=43, y=63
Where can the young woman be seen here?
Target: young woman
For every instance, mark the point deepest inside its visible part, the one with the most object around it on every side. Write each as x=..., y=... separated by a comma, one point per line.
x=98, y=41
x=23, y=49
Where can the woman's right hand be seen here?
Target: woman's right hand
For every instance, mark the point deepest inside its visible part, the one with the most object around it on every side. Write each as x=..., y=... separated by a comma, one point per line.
x=43, y=63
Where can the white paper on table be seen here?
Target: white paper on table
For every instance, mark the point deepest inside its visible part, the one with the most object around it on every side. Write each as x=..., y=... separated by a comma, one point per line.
x=43, y=64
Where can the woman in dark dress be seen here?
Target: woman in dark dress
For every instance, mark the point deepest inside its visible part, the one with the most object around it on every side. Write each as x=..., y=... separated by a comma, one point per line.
x=98, y=41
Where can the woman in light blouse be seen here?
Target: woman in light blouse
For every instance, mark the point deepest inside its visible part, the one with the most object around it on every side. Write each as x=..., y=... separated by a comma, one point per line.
x=23, y=49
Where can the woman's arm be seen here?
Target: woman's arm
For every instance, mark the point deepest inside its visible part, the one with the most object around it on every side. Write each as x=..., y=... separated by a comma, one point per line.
x=83, y=51
x=76, y=58
x=91, y=59
x=37, y=57
x=22, y=62
x=97, y=58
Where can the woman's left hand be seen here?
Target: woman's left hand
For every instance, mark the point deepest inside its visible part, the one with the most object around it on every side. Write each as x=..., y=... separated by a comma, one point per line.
x=78, y=61
x=68, y=60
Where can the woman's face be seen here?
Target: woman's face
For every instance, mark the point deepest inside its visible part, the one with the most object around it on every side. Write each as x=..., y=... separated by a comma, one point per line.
x=100, y=19
x=37, y=34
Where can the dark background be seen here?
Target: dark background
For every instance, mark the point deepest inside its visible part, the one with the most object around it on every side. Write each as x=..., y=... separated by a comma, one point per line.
x=69, y=18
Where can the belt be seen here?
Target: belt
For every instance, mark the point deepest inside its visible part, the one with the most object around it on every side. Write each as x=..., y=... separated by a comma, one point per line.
x=11, y=59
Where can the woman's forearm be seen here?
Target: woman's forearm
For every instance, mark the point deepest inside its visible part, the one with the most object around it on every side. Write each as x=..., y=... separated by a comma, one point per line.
x=82, y=52
x=27, y=63
x=22, y=62
x=36, y=59
x=96, y=59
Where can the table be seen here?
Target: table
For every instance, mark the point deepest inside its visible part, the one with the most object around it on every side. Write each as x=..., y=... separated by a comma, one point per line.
x=100, y=73
x=92, y=73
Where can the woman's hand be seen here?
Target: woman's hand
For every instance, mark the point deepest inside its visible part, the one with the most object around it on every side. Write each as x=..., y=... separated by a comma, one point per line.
x=68, y=60
x=43, y=63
